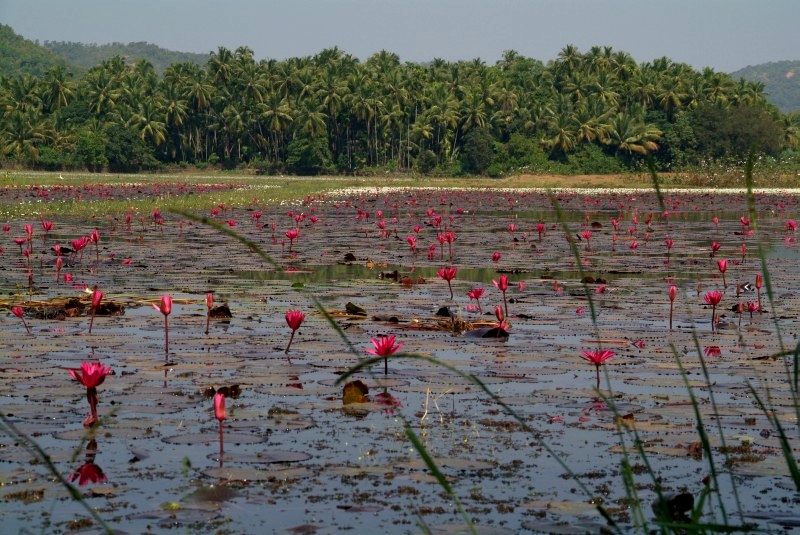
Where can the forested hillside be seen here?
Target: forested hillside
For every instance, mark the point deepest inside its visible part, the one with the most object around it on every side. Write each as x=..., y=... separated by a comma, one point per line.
x=781, y=81
x=20, y=56
x=87, y=56
x=584, y=112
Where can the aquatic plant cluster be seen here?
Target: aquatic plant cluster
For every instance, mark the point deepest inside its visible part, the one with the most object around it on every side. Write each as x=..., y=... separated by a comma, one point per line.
x=606, y=314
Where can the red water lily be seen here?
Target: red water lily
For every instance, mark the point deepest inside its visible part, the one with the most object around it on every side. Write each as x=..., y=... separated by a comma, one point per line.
x=221, y=415
x=97, y=296
x=448, y=274
x=759, y=285
x=294, y=318
x=20, y=313
x=292, y=234
x=540, y=230
x=412, y=243
x=165, y=307
x=597, y=358
x=384, y=347
x=90, y=375
x=476, y=294
x=723, y=267
x=713, y=299
x=673, y=293
x=587, y=235
x=502, y=285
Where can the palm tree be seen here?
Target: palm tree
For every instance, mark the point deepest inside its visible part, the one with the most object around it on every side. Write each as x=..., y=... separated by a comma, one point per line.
x=629, y=134
x=58, y=90
x=277, y=115
x=21, y=133
x=148, y=123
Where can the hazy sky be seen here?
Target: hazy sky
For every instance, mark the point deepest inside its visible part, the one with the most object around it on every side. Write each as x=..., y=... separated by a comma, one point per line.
x=723, y=34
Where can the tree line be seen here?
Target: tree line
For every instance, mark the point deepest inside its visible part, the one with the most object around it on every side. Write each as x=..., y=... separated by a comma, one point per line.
x=597, y=111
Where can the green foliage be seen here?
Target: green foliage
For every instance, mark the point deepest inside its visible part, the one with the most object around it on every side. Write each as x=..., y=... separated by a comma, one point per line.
x=90, y=151
x=126, y=152
x=52, y=159
x=426, y=162
x=734, y=131
x=477, y=151
x=592, y=159
x=308, y=156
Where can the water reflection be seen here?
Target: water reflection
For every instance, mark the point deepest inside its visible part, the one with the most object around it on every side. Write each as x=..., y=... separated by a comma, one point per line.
x=89, y=471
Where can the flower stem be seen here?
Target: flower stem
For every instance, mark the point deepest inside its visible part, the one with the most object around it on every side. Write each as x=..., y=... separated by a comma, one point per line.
x=290, y=343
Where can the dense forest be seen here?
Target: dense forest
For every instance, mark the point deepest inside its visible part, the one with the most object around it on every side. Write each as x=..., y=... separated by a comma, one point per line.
x=583, y=112
x=781, y=81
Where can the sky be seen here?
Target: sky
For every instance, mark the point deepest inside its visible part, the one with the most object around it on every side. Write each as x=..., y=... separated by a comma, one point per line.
x=725, y=35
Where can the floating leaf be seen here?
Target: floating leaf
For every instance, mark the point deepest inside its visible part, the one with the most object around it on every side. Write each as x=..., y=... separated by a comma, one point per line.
x=354, y=392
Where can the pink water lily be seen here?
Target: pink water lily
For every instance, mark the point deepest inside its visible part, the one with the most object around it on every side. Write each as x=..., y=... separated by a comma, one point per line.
x=448, y=274
x=723, y=267
x=476, y=294
x=597, y=358
x=713, y=299
x=384, y=347
x=502, y=285
x=90, y=375
x=673, y=293
x=165, y=307
x=294, y=318
x=20, y=313
x=97, y=296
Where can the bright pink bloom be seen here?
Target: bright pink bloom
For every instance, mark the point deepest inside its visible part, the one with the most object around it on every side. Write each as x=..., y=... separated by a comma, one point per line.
x=90, y=375
x=673, y=292
x=219, y=407
x=496, y=257
x=165, y=306
x=97, y=296
x=448, y=274
x=476, y=294
x=294, y=318
x=20, y=313
x=723, y=267
x=597, y=358
x=384, y=347
x=502, y=283
x=713, y=298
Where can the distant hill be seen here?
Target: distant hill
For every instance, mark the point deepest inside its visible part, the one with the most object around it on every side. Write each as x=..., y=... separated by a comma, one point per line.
x=781, y=81
x=87, y=56
x=21, y=56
